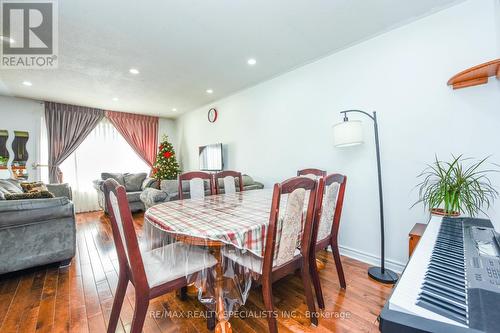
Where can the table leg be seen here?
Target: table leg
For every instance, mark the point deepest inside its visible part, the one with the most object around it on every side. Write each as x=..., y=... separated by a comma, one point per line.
x=223, y=325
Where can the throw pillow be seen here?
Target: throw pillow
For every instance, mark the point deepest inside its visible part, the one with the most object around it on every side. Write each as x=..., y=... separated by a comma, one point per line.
x=33, y=187
x=133, y=181
x=247, y=180
x=116, y=176
x=149, y=182
x=8, y=186
x=31, y=195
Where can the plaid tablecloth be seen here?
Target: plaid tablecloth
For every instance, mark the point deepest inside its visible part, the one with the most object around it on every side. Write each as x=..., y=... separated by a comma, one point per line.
x=239, y=219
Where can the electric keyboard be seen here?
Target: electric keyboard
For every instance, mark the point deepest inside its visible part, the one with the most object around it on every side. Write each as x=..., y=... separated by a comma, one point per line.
x=451, y=283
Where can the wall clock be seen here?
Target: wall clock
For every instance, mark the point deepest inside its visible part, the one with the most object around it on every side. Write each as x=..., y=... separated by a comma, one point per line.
x=212, y=115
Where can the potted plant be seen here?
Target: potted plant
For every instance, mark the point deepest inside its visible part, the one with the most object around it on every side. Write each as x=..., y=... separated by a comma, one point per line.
x=460, y=186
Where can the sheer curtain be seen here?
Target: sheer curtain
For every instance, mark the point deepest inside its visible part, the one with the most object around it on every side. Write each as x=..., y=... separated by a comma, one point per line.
x=104, y=150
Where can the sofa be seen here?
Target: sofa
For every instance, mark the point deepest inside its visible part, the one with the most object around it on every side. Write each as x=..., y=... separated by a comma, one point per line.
x=134, y=183
x=169, y=190
x=36, y=232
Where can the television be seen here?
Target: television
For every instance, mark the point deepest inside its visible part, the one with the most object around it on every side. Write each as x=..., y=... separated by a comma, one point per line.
x=211, y=157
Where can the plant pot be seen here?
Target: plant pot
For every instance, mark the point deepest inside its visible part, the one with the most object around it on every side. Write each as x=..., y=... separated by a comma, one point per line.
x=442, y=212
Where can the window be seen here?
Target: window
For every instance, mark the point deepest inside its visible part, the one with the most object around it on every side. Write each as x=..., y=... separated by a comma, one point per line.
x=104, y=150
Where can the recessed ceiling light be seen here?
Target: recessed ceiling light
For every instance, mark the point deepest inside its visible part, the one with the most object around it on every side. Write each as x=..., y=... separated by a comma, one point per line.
x=251, y=61
x=27, y=83
x=210, y=91
x=134, y=71
x=115, y=99
x=174, y=109
x=7, y=39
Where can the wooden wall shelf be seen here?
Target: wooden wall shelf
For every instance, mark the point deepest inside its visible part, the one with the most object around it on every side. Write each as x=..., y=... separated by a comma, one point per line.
x=476, y=75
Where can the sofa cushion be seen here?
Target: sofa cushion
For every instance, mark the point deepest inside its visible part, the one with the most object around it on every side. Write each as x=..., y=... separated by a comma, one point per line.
x=60, y=190
x=29, y=195
x=133, y=181
x=20, y=212
x=116, y=176
x=252, y=187
x=134, y=196
x=6, y=206
x=8, y=186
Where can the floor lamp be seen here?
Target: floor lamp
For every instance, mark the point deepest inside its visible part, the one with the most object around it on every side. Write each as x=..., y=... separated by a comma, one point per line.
x=350, y=133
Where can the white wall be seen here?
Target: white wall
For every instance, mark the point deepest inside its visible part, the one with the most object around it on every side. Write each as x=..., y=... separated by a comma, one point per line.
x=19, y=114
x=284, y=124
x=168, y=127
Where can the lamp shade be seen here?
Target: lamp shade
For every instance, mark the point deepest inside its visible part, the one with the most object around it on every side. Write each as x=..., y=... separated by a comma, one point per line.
x=348, y=133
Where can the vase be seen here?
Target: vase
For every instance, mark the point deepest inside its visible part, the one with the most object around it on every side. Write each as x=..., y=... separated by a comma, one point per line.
x=442, y=212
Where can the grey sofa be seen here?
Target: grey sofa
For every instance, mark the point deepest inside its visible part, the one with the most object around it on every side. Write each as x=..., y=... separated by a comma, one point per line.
x=169, y=190
x=134, y=183
x=37, y=231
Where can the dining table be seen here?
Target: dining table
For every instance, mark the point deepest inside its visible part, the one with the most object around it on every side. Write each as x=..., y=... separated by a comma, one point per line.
x=235, y=222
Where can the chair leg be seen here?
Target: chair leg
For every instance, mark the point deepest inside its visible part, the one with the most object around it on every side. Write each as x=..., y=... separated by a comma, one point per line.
x=141, y=307
x=316, y=282
x=117, y=302
x=183, y=294
x=338, y=264
x=211, y=320
x=267, y=294
x=306, y=280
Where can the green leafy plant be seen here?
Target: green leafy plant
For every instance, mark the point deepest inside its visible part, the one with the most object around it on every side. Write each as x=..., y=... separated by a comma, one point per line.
x=458, y=186
x=3, y=160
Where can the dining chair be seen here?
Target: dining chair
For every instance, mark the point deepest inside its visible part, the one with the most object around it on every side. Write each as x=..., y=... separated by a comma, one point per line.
x=152, y=273
x=329, y=202
x=287, y=243
x=229, y=181
x=316, y=173
x=196, y=181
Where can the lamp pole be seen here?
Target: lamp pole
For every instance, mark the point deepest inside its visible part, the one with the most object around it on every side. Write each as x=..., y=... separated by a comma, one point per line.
x=380, y=274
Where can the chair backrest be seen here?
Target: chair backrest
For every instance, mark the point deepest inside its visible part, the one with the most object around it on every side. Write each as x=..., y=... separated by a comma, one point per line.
x=329, y=204
x=124, y=236
x=283, y=232
x=229, y=177
x=196, y=184
x=316, y=173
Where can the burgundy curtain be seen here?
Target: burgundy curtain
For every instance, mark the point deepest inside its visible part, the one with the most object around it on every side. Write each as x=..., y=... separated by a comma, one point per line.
x=141, y=132
x=67, y=127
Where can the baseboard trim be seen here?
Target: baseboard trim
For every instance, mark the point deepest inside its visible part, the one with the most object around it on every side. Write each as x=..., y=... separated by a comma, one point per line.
x=370, y=258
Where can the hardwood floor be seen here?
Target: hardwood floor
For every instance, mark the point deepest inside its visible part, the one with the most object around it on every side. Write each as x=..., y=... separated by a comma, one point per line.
x=78, y=298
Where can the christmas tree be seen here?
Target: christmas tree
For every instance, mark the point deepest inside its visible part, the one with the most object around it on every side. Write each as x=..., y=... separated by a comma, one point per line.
x=166, y=166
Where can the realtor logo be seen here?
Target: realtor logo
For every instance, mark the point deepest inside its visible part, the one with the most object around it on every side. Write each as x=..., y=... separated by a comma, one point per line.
x=29, y=34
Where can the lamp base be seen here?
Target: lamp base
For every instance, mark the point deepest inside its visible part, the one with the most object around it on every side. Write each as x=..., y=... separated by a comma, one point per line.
x=387, y=276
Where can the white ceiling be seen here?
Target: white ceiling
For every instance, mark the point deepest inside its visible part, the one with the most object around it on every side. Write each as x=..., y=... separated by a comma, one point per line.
x=182, y=48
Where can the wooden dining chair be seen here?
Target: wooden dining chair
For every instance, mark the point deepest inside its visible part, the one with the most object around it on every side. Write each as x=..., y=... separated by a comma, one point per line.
x=311, y=171
x=329, y=204
x=196, y=184
x=152, y=273
x=287, y=243
x=229, y=181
